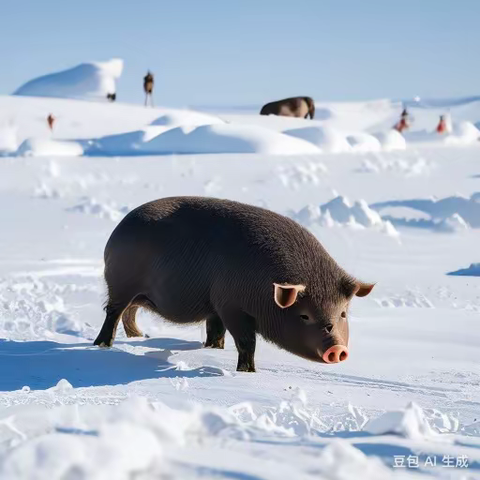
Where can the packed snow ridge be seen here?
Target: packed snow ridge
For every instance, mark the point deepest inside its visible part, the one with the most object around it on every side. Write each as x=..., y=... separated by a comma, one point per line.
x=87, y=81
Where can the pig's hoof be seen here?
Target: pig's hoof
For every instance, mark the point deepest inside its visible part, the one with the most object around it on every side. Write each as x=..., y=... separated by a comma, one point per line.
x=102, y=344
x=220, y=344
x=245, y=368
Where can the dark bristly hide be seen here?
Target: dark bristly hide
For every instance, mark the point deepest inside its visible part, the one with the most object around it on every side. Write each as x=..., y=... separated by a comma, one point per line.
x=238, y=267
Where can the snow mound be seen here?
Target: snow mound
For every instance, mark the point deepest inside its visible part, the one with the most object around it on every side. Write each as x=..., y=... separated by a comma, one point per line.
x=342, y=461
x=341, y=212
x=463, y=133
x=186, y=117
x=131, y=143
x=409, y=423
x=218, y=138
x=364, y=142
x=391, y=140
x=8, y=139
x=87, y=81
x=326, y=138
x=42, y=147
x=472, y=271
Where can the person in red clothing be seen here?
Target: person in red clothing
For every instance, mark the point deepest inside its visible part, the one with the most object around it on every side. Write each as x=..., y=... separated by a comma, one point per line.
x=442, y=125
x=402, y=124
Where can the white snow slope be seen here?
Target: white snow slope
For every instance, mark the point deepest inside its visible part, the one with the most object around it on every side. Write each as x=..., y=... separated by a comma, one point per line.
x=406, y=404
x=87, y=81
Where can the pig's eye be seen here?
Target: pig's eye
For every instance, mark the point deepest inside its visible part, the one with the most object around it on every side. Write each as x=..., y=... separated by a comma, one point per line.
x=307, y=320
x=344, y=315
x=328, y=328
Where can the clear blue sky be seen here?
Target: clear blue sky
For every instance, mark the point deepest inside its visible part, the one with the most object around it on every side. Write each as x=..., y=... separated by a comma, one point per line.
x=221, y=52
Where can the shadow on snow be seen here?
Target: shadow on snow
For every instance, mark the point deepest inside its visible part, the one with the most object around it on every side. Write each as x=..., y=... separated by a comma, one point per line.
x=40, y=365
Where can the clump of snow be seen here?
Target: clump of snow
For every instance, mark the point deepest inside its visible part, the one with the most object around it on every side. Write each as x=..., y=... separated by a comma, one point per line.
x=410, y=298
x=8, y=139
x=43, y=147
x=328, y=139
x=463, y=133
x=403, y=166
x=391, y=140
x=98, y=209
x=341, y=212
x=218, y=138
x=472, y=271
x=342, y=461
x=31, y=308
x=118, y=450
x=364, y=142
x=409, y=423
x=186, y=117
x=298, y=175
x=87, y=81
x=63, y=386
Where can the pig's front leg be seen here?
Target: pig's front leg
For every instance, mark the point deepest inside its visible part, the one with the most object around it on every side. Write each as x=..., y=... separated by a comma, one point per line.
x=242, y=328
x=215, y=332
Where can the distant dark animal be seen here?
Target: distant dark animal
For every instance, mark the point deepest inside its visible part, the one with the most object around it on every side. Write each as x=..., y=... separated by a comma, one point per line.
x=111, y=97
x=302, y=107
x=50, y=120
x=241, y=268
x=148, y=87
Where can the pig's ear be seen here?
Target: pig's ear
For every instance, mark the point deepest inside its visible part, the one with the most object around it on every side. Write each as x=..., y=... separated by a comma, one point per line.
x=286, y=295
x=363, y=289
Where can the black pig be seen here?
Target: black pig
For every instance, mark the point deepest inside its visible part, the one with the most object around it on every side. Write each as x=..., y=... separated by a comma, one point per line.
x=241, y=268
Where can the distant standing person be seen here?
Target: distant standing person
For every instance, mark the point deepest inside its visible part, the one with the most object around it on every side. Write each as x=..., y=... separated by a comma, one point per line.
x=442, y=125
x=301, y=107
x=403, y=123
x=148, y=87
x=50, y=121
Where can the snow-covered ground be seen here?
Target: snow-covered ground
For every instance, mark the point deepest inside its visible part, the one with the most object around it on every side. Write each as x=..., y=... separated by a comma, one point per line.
x=402, y=215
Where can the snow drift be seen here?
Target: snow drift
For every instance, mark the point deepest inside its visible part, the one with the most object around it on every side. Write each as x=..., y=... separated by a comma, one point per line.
x=391, y=140
x=188, y=139
x=43, y=147
x=328, y=139
x=8, y=139
x=176, y=118
x=87, y=81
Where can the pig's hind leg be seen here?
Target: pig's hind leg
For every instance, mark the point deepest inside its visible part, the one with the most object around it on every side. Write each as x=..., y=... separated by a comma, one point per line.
x=215, y=332
x=129, y=322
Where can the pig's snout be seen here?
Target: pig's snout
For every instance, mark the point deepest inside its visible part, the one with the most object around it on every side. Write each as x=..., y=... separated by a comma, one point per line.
x=335, y=354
